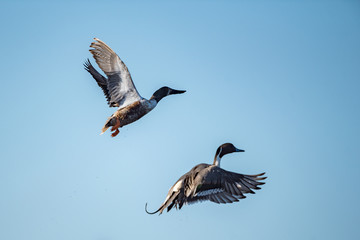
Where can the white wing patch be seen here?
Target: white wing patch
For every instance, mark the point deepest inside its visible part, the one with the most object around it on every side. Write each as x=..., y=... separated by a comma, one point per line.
x=209, y=192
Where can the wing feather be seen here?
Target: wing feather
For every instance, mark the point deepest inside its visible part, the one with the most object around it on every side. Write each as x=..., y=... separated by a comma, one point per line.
x=100, y=79
x=222, y=186
x=121, y=88
x=207, y=182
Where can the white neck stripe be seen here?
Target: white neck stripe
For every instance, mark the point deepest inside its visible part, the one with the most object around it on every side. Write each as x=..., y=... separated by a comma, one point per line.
x=218, y=158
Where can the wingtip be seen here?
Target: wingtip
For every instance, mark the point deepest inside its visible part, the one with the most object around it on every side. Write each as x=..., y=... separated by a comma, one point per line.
x=87, y=64
x=94, y=43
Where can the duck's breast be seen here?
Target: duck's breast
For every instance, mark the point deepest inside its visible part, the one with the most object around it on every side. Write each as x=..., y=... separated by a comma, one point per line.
x=135, y=111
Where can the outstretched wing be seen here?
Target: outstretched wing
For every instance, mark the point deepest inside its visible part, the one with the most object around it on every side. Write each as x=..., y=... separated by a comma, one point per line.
x=221, y=186
x=206, y=182
x=100, y=79
x=120, y=86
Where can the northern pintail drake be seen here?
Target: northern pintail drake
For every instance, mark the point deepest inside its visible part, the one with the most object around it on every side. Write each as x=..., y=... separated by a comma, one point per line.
x=210, y=182
x=119, y=89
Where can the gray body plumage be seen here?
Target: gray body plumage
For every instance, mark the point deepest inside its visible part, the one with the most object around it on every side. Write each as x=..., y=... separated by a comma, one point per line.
x=210, y=182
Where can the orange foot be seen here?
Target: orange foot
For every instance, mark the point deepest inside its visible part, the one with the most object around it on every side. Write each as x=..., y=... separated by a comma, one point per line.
x=115, y=133
x=115, y=128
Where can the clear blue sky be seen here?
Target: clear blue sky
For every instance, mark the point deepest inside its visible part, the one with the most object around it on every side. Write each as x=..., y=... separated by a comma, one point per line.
x=280, y=79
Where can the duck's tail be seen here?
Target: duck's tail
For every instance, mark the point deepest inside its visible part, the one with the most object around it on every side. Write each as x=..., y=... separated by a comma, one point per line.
x=109, y=123
x=170, y=202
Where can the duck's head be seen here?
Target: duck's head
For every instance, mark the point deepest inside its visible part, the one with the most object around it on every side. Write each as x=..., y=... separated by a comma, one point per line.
x=224, y=149
x=163, y=92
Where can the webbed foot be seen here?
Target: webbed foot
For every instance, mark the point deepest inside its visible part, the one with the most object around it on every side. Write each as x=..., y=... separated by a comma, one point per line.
x=115, y=133
x=115, y=128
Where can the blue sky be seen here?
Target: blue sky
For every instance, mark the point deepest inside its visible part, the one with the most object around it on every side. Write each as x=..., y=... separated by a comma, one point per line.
x=279, y=79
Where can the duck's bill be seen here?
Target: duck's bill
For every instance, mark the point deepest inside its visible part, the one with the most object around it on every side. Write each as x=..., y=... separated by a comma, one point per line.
x=173, y=91
x=239, y=150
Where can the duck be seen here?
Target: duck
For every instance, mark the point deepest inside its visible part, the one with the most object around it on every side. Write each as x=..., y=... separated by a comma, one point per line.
x=119, y=89
x=210, y=182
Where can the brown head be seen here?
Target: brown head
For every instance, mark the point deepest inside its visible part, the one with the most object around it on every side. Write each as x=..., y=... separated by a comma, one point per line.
x=224, y=149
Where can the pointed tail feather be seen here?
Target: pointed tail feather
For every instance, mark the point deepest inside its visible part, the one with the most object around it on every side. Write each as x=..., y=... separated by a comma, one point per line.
x=169, y=201
x=151, y=212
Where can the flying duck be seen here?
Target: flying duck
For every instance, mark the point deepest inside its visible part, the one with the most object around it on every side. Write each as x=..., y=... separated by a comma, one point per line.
x=210, y=182
x=119, y=89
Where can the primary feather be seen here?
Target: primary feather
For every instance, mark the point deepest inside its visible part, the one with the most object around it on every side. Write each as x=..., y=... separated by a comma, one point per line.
x=119, y=86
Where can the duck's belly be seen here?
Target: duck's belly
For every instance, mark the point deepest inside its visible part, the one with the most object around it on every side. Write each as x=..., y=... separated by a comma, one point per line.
x=134, y=111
